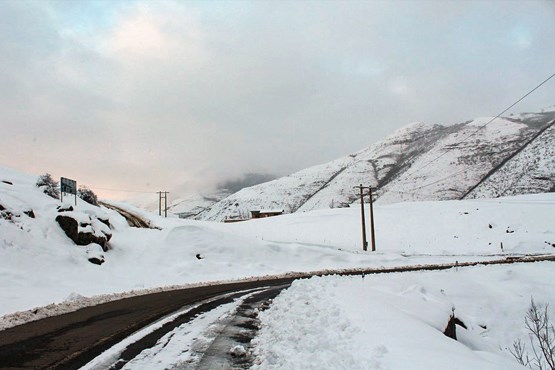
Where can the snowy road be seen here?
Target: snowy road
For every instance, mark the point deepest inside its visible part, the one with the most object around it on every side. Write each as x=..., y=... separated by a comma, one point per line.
x=205, y=328
x=213, y=334
x=131, y=325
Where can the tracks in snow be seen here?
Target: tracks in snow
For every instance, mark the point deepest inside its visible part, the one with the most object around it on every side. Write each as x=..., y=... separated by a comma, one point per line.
x=214, y=334
x=133, y=220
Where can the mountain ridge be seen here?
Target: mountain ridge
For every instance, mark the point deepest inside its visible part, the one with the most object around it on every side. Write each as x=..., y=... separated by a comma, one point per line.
x=464, y=156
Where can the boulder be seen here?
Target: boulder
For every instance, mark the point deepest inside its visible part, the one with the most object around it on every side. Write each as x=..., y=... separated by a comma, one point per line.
x=105, y=222
x=65, y=208
x=83, y=232
x=94, y=254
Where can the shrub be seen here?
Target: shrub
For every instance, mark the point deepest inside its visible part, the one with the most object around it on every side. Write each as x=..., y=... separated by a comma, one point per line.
x=542, y=340
x=48, y=185
x=87, y=195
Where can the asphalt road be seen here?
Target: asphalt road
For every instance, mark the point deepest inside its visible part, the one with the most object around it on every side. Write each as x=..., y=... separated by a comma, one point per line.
x=71, y=340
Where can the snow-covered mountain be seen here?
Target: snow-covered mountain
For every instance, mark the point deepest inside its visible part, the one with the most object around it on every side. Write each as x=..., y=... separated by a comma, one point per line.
x=507, y=156
x=191, y=205
x=531, y=170
x=184, y=203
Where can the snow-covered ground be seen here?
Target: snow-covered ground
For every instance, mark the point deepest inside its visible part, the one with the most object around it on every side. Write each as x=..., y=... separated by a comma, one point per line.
x=396, y=321
x=39, y=265
x=396, y=317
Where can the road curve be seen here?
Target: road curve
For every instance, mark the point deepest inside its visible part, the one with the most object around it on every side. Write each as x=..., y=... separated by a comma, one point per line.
x=132, y=219
x=71, y=340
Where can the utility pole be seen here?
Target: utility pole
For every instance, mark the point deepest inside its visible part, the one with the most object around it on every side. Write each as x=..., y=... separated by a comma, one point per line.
x=164, y=195
x=364, y=242
x=372, y=236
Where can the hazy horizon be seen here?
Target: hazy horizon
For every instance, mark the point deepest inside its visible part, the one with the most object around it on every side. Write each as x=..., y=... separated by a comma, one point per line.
x=149, y=96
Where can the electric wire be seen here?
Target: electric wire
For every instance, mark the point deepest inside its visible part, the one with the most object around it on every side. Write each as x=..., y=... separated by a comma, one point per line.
x=124, y=191
x=470, y=135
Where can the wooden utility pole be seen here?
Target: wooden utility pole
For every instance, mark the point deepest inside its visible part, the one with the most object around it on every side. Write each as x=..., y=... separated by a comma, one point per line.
x=166, y=205
x=164, y=195
x=364, y=242
x=372, y=236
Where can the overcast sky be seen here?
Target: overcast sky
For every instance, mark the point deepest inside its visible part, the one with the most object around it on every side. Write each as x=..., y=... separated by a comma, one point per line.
x=160, y=94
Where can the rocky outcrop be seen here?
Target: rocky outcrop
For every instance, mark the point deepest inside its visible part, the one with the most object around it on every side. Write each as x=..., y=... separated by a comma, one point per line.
x=84, y=229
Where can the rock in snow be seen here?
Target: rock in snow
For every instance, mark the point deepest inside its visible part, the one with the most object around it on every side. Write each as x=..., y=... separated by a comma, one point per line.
x=84, y=230
x=94, y=254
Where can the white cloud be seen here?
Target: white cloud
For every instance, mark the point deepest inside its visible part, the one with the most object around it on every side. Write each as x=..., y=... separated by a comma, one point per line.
x=172, y=92
x=398, y=86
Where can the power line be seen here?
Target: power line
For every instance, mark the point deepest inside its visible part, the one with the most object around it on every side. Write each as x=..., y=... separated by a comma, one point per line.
x=125, y=191
x=411, y=191
x=474, y=133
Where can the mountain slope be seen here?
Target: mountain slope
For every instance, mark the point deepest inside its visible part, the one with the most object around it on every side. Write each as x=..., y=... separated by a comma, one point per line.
x=191, y=205
x=417, y=162
x=454, y=164
x=532, y=170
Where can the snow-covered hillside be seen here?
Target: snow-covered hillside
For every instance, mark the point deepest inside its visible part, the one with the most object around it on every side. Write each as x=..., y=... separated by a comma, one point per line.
x=532, y=170
x=184, y=203
x=180, y=203
x=418, y=162
x=191, y=205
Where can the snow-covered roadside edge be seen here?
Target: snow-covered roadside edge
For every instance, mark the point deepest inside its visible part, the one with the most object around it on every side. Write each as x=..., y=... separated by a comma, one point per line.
x=74, y=304
x=78, y=302
x=107, y=358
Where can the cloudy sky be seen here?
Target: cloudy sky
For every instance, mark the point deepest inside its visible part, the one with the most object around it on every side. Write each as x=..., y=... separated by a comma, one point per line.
x=158, y=95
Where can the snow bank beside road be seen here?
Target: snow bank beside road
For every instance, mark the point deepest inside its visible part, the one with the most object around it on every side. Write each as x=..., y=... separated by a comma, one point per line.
x=396, y=321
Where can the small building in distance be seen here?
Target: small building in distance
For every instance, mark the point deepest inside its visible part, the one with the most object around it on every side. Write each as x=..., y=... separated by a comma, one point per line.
x=263, y=213
x=232, y=220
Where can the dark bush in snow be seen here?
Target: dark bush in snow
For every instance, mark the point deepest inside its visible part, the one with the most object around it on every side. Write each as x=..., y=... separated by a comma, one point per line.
x=87, y=195
x=48, y=185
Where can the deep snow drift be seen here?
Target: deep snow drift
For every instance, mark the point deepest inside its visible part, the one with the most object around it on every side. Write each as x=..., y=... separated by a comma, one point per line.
x=396, y=321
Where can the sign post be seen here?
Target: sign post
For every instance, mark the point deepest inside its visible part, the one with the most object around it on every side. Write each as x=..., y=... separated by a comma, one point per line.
x=68, y=186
